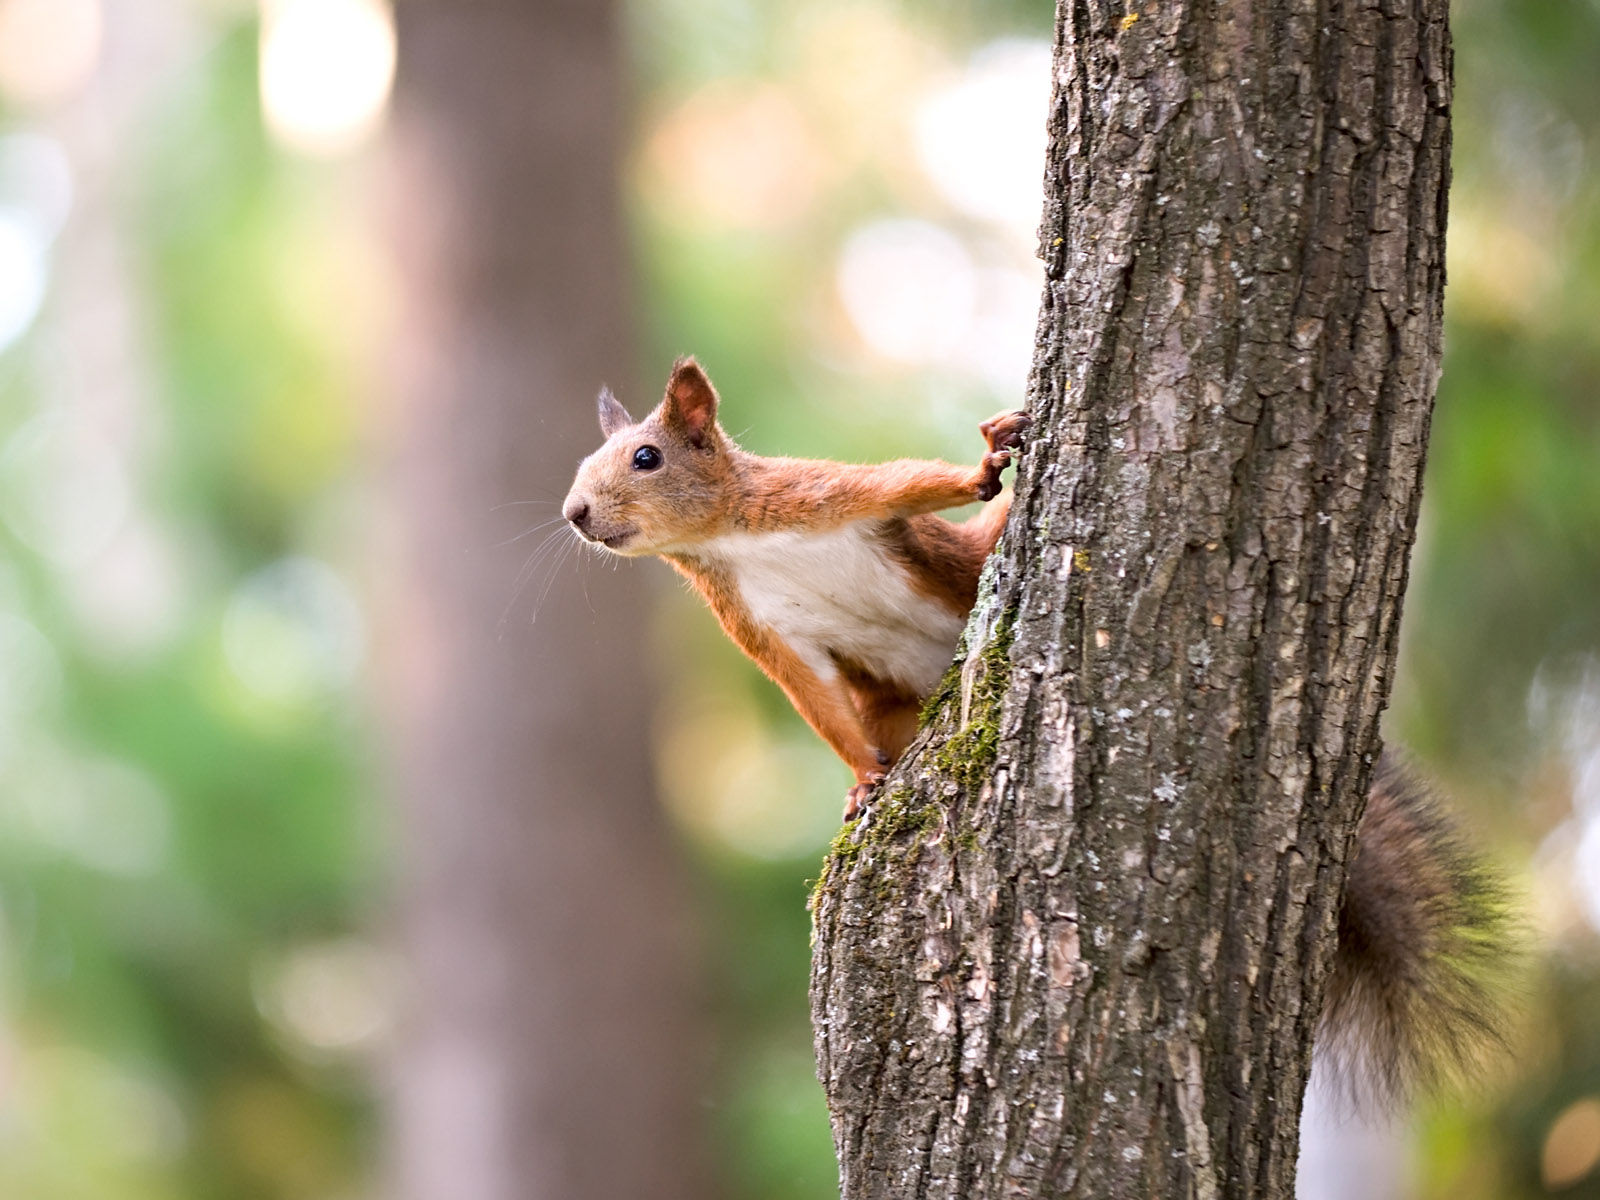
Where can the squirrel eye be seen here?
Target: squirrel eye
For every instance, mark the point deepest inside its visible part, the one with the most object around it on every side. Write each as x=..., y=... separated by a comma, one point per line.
x=646, y=458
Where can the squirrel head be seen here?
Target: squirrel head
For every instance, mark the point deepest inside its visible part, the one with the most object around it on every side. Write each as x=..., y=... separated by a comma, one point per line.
x=659, y=483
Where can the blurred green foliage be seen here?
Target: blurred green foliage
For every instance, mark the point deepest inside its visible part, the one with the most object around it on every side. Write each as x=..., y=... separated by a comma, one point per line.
x=146, y=1047
x=191, y=850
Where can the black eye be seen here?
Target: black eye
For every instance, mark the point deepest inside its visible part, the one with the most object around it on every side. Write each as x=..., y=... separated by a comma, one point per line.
x=646, y=458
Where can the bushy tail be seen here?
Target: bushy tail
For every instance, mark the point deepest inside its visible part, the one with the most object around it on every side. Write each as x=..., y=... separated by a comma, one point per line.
x=1416, y=998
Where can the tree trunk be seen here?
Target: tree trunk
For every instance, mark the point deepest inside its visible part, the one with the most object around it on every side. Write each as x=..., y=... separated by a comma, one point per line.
x=1078, y=947
x=550, y=1050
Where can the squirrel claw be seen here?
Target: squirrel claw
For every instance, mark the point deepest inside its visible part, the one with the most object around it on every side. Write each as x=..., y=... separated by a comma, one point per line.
x=989, y=483
x=855, y=800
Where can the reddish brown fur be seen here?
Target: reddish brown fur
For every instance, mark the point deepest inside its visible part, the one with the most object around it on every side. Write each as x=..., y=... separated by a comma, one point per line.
x=888, y=711
x=945, y=559
x=710, y=488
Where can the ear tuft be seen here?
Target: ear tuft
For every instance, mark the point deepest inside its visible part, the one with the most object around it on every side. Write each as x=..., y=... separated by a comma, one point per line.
x=691, y=402
x=612, y=415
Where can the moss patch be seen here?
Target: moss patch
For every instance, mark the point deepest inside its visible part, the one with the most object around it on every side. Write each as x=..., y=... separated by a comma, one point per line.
x=874, y=843
x=886, y=823
x=949, y=688
x=969, y=752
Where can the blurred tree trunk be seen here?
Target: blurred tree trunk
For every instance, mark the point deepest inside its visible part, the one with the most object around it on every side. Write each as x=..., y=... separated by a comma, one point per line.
x=551, y=1049
x=1078, y=948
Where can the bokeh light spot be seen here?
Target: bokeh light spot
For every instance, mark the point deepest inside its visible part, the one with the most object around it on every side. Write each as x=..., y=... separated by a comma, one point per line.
x=1000, y=349
x=1501, y=273
x=862, y=69
x=732, y=784
x=981, y=139
x=48, y=48
x=132, y=598
x=63, y=488
x=330, y=998
x=106, y=1111
x=36, y=182
x=1572, y=1147
x=108, y=815
x=22, y=276
x=736, y=155
x=327, y=69
x=910, y=290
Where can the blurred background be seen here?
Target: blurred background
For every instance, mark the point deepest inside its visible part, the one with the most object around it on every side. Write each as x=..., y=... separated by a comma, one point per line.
x=360, y=835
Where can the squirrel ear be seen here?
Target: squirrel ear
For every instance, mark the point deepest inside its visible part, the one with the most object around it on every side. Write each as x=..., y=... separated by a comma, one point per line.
x=691, y=402
x=612, y=415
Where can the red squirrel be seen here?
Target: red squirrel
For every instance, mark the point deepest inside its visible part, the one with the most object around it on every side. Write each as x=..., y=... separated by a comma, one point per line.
x=838, y=580
x=850, y=593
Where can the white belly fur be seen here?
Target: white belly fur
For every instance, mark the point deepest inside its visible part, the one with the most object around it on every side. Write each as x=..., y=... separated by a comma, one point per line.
x=838, y=592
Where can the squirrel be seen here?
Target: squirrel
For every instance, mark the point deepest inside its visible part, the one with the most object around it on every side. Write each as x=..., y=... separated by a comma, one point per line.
x=837, y=579
x=848, y=590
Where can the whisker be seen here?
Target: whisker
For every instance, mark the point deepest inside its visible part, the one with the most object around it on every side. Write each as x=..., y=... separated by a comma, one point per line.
x=556, y=566
x=520, y=504
x=530, y=568
x=527, y=532
x=588, y=561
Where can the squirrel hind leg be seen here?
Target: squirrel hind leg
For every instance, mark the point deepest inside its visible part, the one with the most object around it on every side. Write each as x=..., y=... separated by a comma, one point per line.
x=892, y=726
x=986, y=525
x=888, y=715
x=889, y=712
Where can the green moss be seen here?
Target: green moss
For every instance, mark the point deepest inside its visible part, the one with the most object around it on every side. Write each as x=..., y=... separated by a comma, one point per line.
x=948, y=688
x=895, y=815
x=887, y=822
x=969, y=752
x=844, y=849
x=876, y=842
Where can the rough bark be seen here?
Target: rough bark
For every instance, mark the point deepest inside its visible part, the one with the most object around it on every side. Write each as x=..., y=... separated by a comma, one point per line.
x=1078, y=946
x=550, y=1046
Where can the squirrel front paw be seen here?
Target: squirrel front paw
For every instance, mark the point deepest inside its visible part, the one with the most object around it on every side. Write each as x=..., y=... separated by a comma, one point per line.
x=1004, y=434
x=856, y=798
x=1005, y=431
x=989, y=484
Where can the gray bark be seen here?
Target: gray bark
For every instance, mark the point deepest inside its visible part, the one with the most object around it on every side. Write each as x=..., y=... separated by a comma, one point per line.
x=1077, y=948
x=550, y=1050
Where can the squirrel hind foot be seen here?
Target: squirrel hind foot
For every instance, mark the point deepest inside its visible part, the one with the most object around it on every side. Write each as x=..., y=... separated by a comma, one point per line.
x=855, y=800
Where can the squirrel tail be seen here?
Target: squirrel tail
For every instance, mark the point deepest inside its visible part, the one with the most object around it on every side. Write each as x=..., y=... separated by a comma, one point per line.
x=1416, y=996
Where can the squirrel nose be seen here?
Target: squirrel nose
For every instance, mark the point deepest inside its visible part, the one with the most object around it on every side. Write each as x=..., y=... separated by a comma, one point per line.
x=576, y=511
